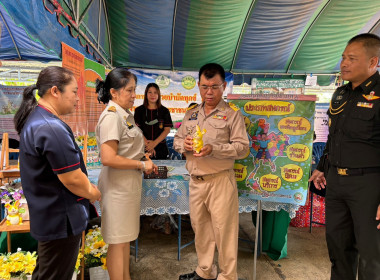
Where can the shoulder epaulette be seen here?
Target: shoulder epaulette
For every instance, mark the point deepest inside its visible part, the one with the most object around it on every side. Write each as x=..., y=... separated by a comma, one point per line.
x=111, y=109
x=192, y=107
x=233, y=106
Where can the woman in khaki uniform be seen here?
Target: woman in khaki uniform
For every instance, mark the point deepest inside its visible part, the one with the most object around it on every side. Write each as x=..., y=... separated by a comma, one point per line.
x=121, y=145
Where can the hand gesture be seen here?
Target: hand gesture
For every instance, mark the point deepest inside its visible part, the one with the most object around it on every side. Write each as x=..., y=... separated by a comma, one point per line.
x=97, y=196
x=150, y=167
x=205, y=151
x=318, y=179
x=188, y=143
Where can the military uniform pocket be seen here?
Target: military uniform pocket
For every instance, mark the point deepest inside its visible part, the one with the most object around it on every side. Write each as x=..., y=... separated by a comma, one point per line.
x=360, y=123
x=221, y=130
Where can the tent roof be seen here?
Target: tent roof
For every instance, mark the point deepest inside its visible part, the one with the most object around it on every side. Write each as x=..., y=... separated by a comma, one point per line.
x=247, y=36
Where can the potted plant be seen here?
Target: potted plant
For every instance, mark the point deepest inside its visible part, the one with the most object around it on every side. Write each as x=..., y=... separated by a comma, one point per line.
x=12, y=192
x=19, y=265
x=95, y=252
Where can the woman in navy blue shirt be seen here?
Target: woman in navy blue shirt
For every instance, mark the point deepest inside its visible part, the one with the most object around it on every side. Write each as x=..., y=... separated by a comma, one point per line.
x=53, y=173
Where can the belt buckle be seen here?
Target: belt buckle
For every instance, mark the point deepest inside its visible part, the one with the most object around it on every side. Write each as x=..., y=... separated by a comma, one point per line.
x=199, y=178
x=342, y=171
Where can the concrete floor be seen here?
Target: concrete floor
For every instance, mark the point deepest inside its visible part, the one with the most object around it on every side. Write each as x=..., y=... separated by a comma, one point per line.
x=307, y=255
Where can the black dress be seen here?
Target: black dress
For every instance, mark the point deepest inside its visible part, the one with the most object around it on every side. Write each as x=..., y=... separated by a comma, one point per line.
x=152, y=124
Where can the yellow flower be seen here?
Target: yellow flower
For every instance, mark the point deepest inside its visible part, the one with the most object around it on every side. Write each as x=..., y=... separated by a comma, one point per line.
x=104, y=262
x=99, y=244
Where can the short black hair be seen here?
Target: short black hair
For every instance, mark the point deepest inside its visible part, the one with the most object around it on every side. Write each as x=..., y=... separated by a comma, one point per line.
x=210, y=70
x=371, y=43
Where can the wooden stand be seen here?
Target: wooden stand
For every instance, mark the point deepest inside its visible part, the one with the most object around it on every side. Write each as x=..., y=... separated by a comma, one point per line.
x=25, y=227
x=7, y=171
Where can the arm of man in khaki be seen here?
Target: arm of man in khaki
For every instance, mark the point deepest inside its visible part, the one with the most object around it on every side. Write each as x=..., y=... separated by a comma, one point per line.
x=238, y=145
x=77, y=183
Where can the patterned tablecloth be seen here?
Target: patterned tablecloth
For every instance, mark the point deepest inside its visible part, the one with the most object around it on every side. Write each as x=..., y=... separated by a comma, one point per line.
x=171, y=195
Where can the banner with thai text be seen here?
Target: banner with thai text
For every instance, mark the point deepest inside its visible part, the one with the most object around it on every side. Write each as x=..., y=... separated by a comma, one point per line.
x=277, y=86
x=74, y=61
x=178, y=89
x=280, y=130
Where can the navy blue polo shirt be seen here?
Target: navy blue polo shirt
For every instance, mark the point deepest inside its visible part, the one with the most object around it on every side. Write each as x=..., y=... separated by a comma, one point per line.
x=48, y=148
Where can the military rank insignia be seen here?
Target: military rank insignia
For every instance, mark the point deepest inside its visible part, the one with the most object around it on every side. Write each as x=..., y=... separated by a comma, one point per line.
x=220, y=117
x=192, y=107
x=364, y=104
x=371, y=96
x=194, y=116
x=329, y=122
x=233, y=106
x=111, y=109
x=129, y=125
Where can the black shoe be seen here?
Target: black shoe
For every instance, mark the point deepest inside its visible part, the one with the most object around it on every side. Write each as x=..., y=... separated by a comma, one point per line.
x=192, y=276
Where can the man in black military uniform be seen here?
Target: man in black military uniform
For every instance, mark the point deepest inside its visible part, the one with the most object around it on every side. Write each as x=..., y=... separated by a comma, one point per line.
x=353, y=154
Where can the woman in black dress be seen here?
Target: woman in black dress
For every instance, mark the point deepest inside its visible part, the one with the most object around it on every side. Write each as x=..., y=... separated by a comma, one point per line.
x=155, y=122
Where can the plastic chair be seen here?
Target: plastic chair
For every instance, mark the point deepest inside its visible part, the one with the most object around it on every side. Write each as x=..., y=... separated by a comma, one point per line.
x=318, y=148
x=173, y=155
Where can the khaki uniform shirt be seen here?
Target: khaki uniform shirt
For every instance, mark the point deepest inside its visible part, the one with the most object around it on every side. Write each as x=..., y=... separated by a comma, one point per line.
x=120, y=125
x=120, y=188
x=225, y=131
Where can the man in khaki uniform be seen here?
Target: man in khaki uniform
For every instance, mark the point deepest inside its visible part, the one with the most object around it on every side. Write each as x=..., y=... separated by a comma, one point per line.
x=214, y=205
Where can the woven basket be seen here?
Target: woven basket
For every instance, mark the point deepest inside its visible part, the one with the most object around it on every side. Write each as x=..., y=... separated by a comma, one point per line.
x=162, y=173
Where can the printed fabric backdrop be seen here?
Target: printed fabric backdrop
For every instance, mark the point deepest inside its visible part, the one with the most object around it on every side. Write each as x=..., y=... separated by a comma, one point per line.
x=280, y=131
x=10, y=100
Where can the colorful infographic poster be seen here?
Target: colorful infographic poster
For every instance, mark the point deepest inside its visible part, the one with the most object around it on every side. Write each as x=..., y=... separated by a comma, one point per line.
x=92, y=72
x=280, y=131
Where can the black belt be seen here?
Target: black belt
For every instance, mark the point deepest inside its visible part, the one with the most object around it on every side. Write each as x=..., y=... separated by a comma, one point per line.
x=357, y=171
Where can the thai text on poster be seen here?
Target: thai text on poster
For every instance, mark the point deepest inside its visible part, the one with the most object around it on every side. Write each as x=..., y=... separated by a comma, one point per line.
x=280, y=131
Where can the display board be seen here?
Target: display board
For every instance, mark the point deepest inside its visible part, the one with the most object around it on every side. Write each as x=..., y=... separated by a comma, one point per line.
x=280, y=130
x=10, y=101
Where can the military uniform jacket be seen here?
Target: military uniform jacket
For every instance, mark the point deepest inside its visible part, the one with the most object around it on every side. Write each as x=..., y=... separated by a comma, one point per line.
x=354, y=125
x=225, y=131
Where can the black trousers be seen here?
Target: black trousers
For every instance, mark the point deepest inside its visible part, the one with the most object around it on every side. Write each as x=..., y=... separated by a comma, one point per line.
x=56, y=259
x=352, y=238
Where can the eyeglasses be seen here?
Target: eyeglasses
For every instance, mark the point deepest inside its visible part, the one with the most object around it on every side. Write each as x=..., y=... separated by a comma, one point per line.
x=213, y=87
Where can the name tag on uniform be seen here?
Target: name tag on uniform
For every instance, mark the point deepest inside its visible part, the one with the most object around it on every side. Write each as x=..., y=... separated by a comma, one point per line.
x=220, y=117
x=364, y=104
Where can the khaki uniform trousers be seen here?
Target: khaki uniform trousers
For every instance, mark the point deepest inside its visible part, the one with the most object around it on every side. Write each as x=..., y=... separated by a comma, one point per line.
x=214, y=213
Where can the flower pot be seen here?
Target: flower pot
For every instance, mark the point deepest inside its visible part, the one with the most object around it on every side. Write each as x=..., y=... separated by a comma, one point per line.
x=98, y=273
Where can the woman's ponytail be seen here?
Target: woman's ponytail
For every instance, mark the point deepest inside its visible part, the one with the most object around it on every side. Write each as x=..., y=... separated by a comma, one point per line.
x=27, y=106
x=103, y=95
